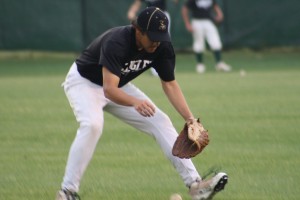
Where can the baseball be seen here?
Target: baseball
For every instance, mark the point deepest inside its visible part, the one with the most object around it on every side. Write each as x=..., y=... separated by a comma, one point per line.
x=175, y=197
x=242, y=73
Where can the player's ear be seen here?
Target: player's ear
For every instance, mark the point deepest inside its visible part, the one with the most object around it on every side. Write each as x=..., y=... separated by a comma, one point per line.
x=138, y=32
x=137, y=28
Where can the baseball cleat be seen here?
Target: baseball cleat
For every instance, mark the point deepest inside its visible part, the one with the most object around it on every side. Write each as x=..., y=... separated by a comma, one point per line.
x=64, y=194
x=206, y=189
x=221, y=66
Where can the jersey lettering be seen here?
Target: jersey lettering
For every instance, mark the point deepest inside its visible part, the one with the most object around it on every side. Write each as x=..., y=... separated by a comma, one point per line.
x=135, y=65
x=204, y=3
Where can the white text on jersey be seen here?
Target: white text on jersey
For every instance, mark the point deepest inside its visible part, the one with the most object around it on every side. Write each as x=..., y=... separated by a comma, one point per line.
x=135, y=65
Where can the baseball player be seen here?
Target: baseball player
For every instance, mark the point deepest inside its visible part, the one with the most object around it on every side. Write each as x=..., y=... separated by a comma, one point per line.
x=203, y=28
x=99, y=80
x=135, y=7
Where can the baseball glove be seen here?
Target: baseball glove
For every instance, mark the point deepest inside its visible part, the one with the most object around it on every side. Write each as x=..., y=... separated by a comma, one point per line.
x=191, y=141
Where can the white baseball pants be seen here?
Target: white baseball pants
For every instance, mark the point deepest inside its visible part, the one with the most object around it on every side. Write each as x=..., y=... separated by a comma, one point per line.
x=205, y=30
x=88, y=103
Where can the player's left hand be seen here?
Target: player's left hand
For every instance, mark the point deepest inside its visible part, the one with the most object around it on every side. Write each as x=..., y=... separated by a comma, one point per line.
x=191, y=141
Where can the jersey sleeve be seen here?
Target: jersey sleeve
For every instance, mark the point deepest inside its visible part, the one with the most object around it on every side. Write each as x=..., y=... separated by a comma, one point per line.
x=165, y=64
x=112, y=56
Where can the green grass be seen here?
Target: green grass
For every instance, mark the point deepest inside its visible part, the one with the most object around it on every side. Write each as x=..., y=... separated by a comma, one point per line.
x=253, y=123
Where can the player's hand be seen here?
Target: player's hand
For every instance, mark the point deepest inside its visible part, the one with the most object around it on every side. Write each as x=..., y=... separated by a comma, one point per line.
x=189, y=28
x=218, y=19
x=145, y=108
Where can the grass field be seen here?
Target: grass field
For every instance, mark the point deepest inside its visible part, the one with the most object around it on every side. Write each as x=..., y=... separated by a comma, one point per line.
x=253, y=122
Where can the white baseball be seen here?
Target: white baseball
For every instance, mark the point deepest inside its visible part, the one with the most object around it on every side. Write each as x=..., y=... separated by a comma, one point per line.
x=242, y=73
x=175, y=197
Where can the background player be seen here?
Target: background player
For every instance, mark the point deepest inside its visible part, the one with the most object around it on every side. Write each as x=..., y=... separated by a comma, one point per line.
x=99, y=80
x=204, y=14
x=136, y=6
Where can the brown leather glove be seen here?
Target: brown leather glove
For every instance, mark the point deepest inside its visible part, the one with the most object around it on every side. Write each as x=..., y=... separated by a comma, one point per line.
x=191, y=141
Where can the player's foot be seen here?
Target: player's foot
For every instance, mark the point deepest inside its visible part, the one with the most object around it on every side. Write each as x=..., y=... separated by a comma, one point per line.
x=64, y=194
x=153, y=72
x=206, y=189
x=221, y=66
x=200, y=68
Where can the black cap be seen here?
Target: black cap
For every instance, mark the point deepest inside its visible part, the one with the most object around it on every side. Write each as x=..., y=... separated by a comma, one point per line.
x=155, y=23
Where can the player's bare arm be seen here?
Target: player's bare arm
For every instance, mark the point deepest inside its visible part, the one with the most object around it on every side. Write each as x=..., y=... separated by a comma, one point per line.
x=134, y=8
x=219, y=14
x=115, y=94
x=177, y=99
x=186, y=19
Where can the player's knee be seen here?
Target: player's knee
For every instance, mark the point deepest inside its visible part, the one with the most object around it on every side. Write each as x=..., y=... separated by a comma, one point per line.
x=91, y=127
x=198, y=48
x=216, y=47
x=163, y=120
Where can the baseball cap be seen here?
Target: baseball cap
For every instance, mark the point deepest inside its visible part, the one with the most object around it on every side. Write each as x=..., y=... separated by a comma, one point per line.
x=155, y=23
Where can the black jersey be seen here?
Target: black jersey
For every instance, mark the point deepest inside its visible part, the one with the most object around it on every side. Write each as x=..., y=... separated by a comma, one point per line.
x=116, y=50
x=156, y=3
x=201, y=9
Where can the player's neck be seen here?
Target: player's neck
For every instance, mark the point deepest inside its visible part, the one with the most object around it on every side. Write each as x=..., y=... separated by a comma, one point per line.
x=139, y=45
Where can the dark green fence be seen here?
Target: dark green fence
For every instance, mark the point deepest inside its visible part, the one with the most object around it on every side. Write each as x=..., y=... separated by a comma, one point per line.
x=69, y=25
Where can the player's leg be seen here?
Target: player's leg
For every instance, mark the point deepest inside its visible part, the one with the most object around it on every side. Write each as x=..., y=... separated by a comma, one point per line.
x=212, y=36
x=86, y=100
x=198, y=44
x=159, y=127
x=214, y=41
x=198, y=36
